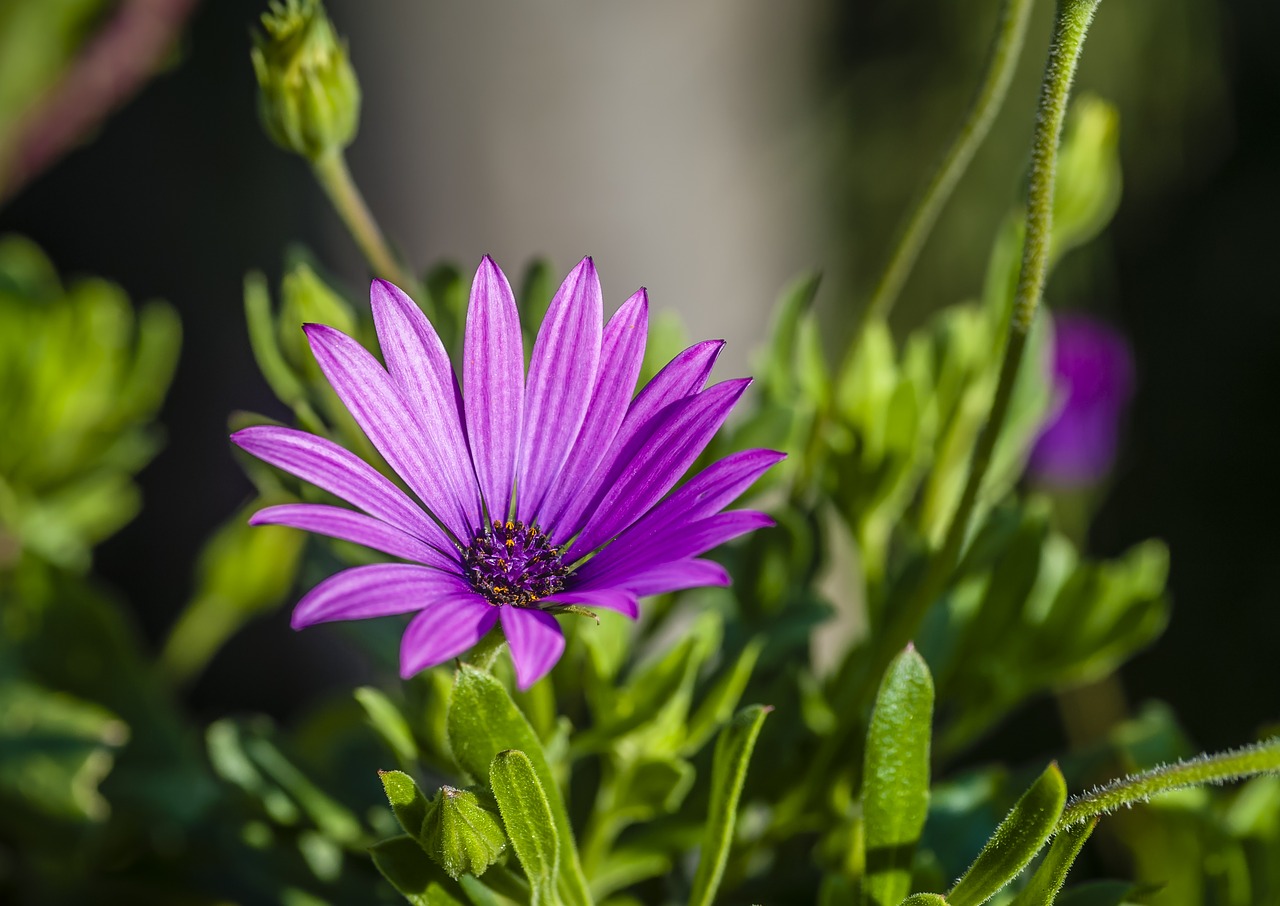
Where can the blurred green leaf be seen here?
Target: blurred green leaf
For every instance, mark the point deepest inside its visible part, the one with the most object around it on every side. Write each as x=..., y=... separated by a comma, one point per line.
x=895, y=779
x=728, y=773
x=1045, y=884
x=389, y=723
x=402, y=862
x=1015, y=842
x=526, y=813
x=717, y=708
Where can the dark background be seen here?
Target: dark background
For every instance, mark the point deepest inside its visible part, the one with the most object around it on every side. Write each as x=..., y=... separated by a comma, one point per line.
x=180, y=194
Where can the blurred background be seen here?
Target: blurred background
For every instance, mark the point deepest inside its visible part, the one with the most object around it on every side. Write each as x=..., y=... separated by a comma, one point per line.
x=712, y=152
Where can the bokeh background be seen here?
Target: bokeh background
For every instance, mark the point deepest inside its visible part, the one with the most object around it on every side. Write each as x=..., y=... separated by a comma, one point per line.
x=711, y=152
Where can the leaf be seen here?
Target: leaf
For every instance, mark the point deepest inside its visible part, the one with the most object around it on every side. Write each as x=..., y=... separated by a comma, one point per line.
x=530, y=825
x=777, y=373
x=388, y=723
x=402, y=862
x=895, y=780
x=1015, y=842
x=1049, y=877
x=651, y=786
x=407, y=801
x=728, y=772
x=483, y=721
x=625, y=866
x=282, y=380
x=925, y=899
x=717, y=708
x=461, y=834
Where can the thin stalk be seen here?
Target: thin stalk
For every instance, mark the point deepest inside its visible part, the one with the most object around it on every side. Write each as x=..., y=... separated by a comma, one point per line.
x=1262, y=758
x=334, y=176
x=1006, y=48
x=1071, y=23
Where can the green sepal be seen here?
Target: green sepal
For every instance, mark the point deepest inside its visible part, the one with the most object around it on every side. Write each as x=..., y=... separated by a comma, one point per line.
x=419, y=880
x=728, y=773
x=1045, y=884
x=460, y=834
x=1015, y=842
x=895, y=780
x=526, y=813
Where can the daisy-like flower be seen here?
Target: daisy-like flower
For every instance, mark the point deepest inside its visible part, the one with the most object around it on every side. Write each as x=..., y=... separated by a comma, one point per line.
x=534, y=493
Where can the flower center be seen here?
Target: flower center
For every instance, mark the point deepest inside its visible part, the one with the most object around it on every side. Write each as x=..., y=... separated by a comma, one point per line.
x=513, y=563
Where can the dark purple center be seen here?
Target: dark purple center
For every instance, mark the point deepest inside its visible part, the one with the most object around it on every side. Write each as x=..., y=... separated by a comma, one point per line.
x=513, y=563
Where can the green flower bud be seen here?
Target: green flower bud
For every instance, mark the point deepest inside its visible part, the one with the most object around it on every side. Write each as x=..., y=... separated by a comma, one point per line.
x=461, y=834
x=308, y=95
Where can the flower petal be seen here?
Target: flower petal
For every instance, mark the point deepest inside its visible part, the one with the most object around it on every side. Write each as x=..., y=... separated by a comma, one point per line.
x=648, y=472
x=562, y=370
x=348, y=525
x=420, y=367
x=445, y=629
x=493, y=380
x=323, y=463
x=621, y=357
x=675, y=576
x=380, y=409
x=681, y=543
x=535, y=640
x=683, y=376
x=621, y=600
x=375, y=591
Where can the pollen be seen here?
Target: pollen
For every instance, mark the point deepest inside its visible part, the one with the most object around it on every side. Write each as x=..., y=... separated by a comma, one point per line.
x=513, y=563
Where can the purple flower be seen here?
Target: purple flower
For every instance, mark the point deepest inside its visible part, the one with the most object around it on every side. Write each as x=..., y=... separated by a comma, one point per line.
x=533, y=493
x=1093, y=378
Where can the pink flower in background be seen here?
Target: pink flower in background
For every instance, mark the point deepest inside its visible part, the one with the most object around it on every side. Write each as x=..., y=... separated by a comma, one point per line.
x=1093, y=383
x=534, y=492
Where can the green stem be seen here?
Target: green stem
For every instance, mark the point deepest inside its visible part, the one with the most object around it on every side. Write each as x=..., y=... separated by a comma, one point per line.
x=1070, y=26
x=484, y=654
x=1006, y=48
x=334, y=176
x=1262, y=758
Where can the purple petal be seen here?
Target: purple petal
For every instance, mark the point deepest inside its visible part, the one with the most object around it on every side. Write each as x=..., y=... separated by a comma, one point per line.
x=420, y=367
x=683, y=376
x=493, y=378
x=535, y=640
x=348, y=525
x=562, y=370
x=329, y=467
x=621, y=357
x=376, y=591
x=680, y=543
x=678, y=576
x=380, y=409
x=645, y=475
x=445, y=629
x=621, y=600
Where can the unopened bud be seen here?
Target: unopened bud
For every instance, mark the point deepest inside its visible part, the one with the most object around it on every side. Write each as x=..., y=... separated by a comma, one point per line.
x=308, y=95
x=461, y=834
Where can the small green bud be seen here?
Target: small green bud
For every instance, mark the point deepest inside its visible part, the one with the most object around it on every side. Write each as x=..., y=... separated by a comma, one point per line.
x=461, y=834
x=308, y=95
x=307, y=299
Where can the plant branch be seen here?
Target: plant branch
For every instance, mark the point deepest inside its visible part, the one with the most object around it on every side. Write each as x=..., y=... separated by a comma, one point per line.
x=334, y=176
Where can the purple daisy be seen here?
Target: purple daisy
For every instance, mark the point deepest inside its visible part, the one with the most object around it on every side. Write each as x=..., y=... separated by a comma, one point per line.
x=533, y=493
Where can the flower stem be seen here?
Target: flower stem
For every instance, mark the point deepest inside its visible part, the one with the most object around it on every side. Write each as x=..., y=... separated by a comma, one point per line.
x=1070, y=25
x=1005, y=51
x=485, y=652
x=1262, y=758
x=334, y=176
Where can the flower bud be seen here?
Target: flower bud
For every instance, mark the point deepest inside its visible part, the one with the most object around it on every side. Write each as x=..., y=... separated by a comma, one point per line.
x=461, y=834
x=308, y=95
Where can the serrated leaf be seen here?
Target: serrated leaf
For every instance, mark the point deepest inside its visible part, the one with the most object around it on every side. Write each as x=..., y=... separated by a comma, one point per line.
x=895, y=780
x=407, y=802
x=483, y=721
x=460, y=833
x=1015, y=842
x=419, y=880
x=526, y=813
x=1045, y=884
x=728, y=773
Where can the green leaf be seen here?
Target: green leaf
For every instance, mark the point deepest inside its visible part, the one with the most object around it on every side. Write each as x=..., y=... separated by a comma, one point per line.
x=1043, y=888
x=651, y=786
x=777, y=374
x=625, y=866
x=718, y=707
x=925, y=899
x=263, y=340
x=460, y=833
x=402, y=862
x=407, y=801
x=388, y=723
x=530, y=825
x=895, y=780
x=483, y=721
x=1098, y=893
x=1015, y=842
x=728, y=772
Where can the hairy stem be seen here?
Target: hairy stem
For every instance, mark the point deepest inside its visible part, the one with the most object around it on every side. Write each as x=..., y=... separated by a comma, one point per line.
x=1005, y=51
x=334, y=176
x=1262, y=758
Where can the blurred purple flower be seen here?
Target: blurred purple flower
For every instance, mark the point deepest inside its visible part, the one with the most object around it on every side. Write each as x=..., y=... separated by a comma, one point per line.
x=536, y=494
x=1093, y=380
